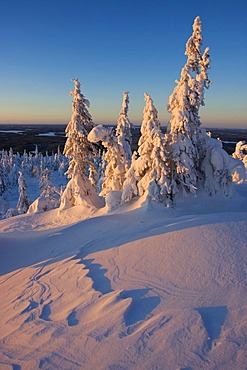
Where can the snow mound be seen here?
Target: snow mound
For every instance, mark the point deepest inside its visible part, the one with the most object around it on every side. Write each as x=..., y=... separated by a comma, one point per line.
x=139, y=288
x=99, y=133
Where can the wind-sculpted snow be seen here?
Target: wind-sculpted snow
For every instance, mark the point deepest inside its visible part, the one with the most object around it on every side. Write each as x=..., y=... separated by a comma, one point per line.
x=142, y=288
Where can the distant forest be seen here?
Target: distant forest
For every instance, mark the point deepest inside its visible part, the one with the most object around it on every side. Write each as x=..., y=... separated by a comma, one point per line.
x=49, y=137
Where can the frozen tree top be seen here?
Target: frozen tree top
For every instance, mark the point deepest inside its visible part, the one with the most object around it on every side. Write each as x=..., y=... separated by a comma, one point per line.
x=149, y=104
x=77, y=91
x=77, y=86
x=195, y=41
x=125, y=104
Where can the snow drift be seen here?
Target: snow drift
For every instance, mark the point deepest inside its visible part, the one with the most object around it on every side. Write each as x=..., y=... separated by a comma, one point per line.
x=142, y=288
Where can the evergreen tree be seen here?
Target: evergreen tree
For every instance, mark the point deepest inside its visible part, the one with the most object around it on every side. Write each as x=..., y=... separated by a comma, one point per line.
x=123, y=130
x=241, y=152
x=113, y=158
x=80, y=153
x=184, y=134
x=2, y=179
x=23, y=202
x=217, y=167
x=149, y=173
x=45, y=184
x=117, y=158
x=118, y=155
x=115, y=165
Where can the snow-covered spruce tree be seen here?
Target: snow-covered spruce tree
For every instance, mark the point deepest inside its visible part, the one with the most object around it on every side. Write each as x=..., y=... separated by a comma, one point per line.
x=216, y=167
x=117, y=158
x=149, y=173
x=113, y=158
x=23, y=201
x=184, y=134
x=123, y=130
x=118, y=154
x=45, y=184
x=80, y=152
x=115, y=165
x=2, y=179
x=49, y=197
x=240, y=153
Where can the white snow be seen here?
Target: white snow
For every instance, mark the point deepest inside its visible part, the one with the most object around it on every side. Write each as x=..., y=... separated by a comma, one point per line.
x=99, y=133
x=143, y=287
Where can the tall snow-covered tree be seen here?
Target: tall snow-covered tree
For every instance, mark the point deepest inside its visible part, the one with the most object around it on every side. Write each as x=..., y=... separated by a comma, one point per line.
x=123, y=130
x=184, y=133
x=149, y=173
x=118, y=155
x=195, y=158
x=23, y=201
x=80, y=152
x=117, y=158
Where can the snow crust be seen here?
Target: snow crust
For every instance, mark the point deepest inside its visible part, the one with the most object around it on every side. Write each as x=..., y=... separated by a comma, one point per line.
x=142, y=287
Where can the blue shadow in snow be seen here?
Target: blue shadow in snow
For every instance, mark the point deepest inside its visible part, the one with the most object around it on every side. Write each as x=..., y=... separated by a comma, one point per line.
x=100, y=282
x=16, y=367
x=44, y=363
x=33, y=304
x=46, y=311
x=72, y=320
x=140, y=306
x=213, y=319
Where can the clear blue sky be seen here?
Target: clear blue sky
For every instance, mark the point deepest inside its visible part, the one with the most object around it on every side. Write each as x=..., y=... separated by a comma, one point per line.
x=112, y=46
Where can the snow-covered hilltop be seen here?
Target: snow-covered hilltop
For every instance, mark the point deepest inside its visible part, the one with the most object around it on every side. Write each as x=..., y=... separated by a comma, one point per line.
x=141, y=288
x=127, y=260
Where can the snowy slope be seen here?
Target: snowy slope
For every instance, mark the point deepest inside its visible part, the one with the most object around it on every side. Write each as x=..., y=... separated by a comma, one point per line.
x=142, y=288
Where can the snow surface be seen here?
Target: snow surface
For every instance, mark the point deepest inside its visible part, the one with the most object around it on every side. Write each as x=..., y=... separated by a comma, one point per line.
x=143, y=287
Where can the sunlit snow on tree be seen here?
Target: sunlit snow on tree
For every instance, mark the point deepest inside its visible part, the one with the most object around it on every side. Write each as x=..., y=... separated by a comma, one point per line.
x=117, y=157
x=148, y=172
x=80, y=153
x=23, y=201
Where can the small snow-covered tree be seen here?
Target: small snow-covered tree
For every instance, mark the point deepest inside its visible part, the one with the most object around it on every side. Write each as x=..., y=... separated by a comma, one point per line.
x=2, y=179
x=115, y=165
x=80, y=153
x=10, y=158
x=23, y=201
x=149, y=173
x=45, y=184
x=240, y=153
x=216, y=168
x=113, y=158
x=49, y=196
x=13, y=175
